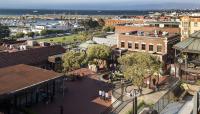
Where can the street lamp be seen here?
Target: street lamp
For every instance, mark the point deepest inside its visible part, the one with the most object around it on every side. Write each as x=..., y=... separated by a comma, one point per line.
x=135, y=94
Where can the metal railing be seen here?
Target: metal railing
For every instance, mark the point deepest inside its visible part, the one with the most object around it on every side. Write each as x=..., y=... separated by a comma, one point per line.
x=166, y=99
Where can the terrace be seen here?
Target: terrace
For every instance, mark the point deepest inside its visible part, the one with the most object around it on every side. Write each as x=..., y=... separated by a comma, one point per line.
x=155, y=34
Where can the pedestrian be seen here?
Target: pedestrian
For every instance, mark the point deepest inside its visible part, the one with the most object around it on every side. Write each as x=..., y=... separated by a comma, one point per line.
x=100, y=94
x=103, y=95
x=106, y=96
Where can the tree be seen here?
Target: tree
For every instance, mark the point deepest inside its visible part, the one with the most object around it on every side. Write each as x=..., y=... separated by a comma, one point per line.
x=109, y=29
x=31, y=34
x=72, y=60
x=101, y=22
x=90, y=24
x=44, y=32
x=4, y=31
x=99, y=54
x=136, y=66
x=19, y=35
x=98, y=51
x=106, y=29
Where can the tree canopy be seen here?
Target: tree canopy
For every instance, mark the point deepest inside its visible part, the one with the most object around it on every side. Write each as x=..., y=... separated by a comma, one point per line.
x=31, y=34
x=72, y=60
x=19, y=35
x=98, y=52
x=90, y=24
x=47, y=32
x=4, y=31
x=136, y=66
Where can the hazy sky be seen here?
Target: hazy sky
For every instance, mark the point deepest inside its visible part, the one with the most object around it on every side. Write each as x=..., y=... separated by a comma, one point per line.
x=96, y=4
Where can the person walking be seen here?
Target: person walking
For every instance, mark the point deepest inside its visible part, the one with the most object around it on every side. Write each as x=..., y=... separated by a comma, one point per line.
x=106, y=96
x=100, y=94
x=103, y=95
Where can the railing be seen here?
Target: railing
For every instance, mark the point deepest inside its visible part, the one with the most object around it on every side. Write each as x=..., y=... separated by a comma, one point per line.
x=166, y=99
x=119, y=104
x=110, y=108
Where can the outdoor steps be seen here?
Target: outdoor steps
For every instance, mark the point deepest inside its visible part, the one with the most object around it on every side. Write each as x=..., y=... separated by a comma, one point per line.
x=117, y=109
x=172, y=108
x=187, y=107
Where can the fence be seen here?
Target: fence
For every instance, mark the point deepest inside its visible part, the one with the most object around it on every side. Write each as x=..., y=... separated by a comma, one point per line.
x=166, y=99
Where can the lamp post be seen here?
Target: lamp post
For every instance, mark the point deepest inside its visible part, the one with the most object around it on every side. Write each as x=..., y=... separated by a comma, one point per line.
x=135, y=94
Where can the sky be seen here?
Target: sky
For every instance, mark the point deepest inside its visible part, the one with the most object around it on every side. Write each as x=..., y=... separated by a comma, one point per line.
x=99, y=4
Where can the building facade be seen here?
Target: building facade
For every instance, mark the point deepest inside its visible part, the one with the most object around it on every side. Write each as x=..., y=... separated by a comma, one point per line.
x=188, y=58
x=156, y=43
x=189, y=25
x=114, y=22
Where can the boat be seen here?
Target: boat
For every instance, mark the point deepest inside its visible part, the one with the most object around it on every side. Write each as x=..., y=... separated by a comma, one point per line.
x=35, y=11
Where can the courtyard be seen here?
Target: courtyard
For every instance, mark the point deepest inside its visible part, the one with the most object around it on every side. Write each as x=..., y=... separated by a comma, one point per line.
x=81, y=96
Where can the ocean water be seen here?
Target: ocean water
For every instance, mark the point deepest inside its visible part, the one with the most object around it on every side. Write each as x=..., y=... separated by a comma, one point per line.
x=4, y=12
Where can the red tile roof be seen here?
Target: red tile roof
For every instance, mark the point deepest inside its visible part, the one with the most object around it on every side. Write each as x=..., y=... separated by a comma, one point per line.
x=19, y=77
x=34, y=56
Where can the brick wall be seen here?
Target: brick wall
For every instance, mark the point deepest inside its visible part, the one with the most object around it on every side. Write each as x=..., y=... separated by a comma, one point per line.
x=123, y=29
x=113, y=22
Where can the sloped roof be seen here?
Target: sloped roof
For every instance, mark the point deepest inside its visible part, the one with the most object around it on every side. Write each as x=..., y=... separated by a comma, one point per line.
x=191, y=44
x=19, y=77
x=34, y=56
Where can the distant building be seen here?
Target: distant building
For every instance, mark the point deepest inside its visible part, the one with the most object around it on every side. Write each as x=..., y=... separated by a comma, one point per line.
x=110, y=40
x=21, y=53
x=189, y=25
x=171, y=27
x=114, y=22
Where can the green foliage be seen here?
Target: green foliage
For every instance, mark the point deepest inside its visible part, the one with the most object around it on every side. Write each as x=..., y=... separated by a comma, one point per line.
x=98, y=52
x=101, y=22
x=31, y=34
x=19, y=35
x=136, y=66
x=90, y=24
x=109, y=29
x=141, y=105
x=73, y=60
x=4, y=31
x=47, y=32
x=64, y=39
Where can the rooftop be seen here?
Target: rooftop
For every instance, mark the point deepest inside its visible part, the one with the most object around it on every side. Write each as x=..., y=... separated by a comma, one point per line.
x=191, y=44
x=34, y=56
x=19, y=77
x=152, y=34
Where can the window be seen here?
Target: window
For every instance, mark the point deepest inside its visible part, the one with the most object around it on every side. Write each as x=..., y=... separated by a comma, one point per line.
x=143, y=46
x=185, y=24
x=150, y=47
x=122, y=44
x=136, y=46
x=129, y=45
x=159, y=48
x=195, y=24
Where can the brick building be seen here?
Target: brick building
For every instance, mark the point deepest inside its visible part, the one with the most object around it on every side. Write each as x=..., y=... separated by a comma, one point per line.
x=155, y=42
x=189, y=25
x=114, y=22
x=123, y=29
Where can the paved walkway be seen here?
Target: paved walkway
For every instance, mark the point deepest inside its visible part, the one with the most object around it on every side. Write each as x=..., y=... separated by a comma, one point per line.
x=150, y=98
x=81, y=97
